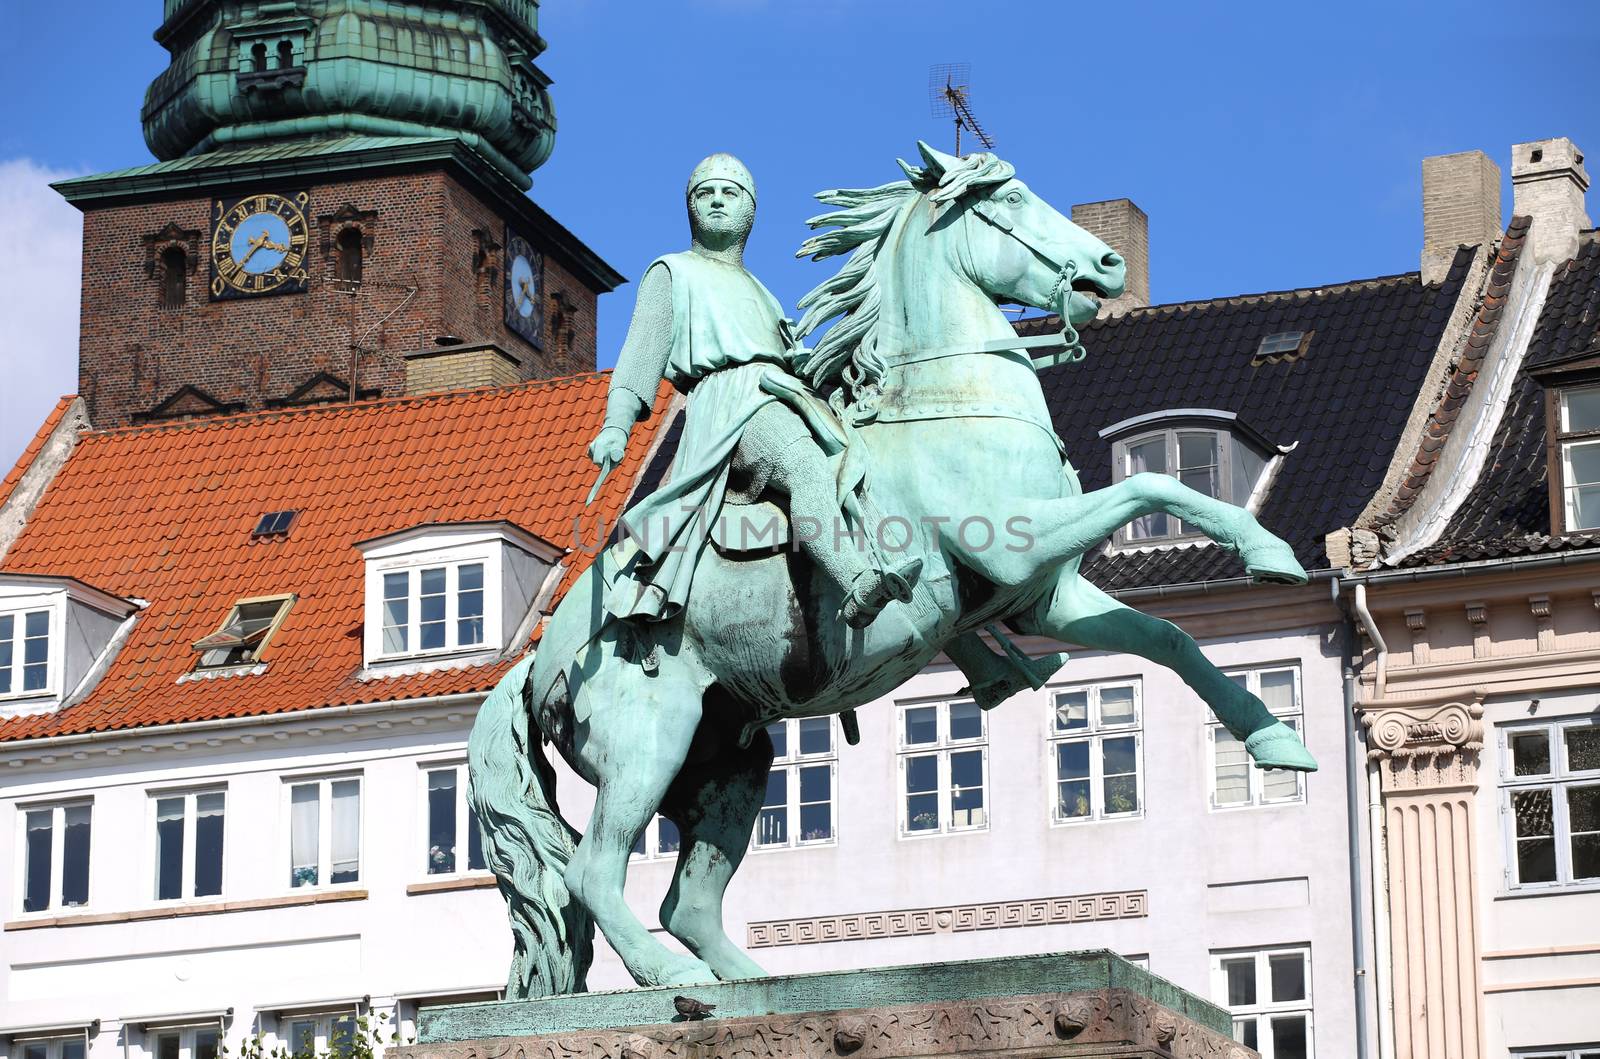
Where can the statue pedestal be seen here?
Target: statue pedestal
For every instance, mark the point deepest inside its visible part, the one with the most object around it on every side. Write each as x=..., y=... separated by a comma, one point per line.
x=1062, y=1004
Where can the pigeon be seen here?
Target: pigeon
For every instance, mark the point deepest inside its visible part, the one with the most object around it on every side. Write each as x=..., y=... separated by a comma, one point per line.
x=692, y=1009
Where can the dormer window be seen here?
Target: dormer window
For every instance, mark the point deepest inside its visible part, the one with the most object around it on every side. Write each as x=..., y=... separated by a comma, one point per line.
x=453, y=592
x=39, y=617
x=1576, y=473
x=25, y=651
x=1207, y=450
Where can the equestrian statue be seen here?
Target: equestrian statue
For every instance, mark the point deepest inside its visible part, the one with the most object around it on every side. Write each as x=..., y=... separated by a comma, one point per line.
x=802, y=557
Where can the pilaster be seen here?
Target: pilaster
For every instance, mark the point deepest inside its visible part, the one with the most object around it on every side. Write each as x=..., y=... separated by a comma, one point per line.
x=1427, y=759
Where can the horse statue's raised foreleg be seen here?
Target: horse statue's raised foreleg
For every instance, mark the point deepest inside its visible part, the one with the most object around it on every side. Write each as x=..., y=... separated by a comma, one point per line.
x=1078, y=612
x=1046, y=533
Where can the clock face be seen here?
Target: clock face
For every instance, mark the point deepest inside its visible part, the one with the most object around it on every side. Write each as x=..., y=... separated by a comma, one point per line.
x=524, y=289
x=258, y=245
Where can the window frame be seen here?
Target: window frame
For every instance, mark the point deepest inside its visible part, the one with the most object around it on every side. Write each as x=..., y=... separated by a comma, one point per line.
x=325, y=782
x=941, y=750
x=451, y=560
x=186, y=1034
x=465, y=821
x=1560, y=1051
x=1265, y=1011
x=285, y=602
x=1560, y=443
x=1558, y=781
x=1227, y=488
x=1094, y=733
x=791, y=763
x=18, y=608
x=1255, y=778
x=650, y=837
x=322, y=1028
x=186, y=884
x=58, y=855
x=53, y=1044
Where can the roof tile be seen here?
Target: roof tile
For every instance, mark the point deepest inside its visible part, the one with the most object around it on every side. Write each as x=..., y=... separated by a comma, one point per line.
x=184, y=497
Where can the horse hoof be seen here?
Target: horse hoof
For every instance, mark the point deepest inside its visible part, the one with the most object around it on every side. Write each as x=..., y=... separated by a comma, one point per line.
x=1273, y=564
x=1277, y=747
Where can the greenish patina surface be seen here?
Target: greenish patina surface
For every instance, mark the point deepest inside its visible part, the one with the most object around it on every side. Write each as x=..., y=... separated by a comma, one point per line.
x=270, y=71
x=916, y=417
x=1068, y=972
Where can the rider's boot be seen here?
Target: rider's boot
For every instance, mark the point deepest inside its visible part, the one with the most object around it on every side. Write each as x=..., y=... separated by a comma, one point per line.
x=875, y=589
x=993, y=678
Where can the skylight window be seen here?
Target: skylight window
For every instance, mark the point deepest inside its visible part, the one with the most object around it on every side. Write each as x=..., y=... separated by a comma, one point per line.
x=250, y=625
x=1281, y=346
x=274, y=524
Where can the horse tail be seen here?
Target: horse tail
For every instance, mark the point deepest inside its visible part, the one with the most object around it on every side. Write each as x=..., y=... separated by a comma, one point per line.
x=527, y=843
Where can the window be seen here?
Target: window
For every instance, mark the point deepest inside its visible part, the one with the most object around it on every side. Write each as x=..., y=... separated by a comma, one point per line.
x=174, y=277
x=798, y=809
x=305, y=1035
x=324, y=831
x=658, y=841
x=188, y=834
x=1234, y=781
x=1213, y=462
x=25, y=652
x=244, y=634
x=55, y=858
x=434, y=608
x=943, y=768
x=443, y=589
x=1269, y=995
x=199, y=1042
x=1281, y=346
x=347, y=256
x=51, y=1048
x=274, y=524
x=449, y=818
x=1578, y=430
x=1095, y=747
x=1550, y=778
x=1582, y=1052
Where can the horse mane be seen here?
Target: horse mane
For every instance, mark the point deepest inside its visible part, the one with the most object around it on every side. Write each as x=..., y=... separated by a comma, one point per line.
x=848, y=351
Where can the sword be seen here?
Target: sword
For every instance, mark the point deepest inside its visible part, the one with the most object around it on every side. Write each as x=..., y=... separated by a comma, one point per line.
x=606, y=467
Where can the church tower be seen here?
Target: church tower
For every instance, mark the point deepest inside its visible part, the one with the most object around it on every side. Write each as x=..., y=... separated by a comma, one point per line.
x=338, y=210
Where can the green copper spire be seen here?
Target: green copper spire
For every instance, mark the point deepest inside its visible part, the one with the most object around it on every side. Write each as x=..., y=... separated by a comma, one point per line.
x=249, y=72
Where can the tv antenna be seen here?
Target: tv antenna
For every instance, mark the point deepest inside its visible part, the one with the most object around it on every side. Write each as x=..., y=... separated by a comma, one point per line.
x=949, y=85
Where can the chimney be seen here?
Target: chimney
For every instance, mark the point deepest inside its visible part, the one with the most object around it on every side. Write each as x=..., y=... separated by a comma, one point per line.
x=1460, y=206
x=1547, y=183
x=1124, y=228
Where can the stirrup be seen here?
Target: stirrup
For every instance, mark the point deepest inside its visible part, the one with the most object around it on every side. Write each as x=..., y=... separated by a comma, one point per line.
x=875, y=589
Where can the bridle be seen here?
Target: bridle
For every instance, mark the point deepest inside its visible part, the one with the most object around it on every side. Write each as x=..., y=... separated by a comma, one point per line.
x=984, y=210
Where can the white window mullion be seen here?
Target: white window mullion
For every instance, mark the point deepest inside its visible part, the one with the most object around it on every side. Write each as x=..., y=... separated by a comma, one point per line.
x=943, y=778
x=463, y=822
x=324, y=833
x=58, y=856
x=188, y=847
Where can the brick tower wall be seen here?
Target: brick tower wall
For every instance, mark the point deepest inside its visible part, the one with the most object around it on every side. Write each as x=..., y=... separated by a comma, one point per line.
x=423, y=230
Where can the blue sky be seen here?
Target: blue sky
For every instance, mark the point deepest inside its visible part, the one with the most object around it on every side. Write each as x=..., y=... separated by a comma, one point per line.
x=1272, y=145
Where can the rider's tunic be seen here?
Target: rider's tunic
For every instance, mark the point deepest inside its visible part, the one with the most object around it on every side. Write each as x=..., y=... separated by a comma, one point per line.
x=729, y=352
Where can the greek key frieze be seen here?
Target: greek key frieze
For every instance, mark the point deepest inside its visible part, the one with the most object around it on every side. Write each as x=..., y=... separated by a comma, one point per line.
x=902, y=923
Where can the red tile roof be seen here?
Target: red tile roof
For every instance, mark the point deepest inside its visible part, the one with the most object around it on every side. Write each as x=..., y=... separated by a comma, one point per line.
x=164, y=514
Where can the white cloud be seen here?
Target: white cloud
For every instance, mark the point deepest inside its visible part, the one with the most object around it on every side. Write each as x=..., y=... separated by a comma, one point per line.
x=40, y=268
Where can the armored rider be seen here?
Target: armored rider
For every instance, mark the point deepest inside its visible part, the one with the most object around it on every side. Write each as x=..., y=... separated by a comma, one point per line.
x=709, y=327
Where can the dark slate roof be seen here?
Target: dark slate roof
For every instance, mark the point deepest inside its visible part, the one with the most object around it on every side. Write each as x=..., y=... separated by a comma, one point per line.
x=1508, y=510
x=1345, y=401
